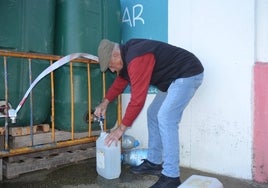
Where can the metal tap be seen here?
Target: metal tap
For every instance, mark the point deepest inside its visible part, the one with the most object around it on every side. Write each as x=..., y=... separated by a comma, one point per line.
x=100, y=120
x=12, y=114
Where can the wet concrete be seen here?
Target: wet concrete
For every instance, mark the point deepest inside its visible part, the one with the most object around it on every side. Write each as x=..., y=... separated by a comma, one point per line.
x=83, y=175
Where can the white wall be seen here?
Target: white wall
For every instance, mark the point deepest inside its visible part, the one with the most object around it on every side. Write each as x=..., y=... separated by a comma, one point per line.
x=139, y=128
x=261, y=31
x=216, y=129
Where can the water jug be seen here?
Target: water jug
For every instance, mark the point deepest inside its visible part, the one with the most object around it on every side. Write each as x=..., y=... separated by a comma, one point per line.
x=129, y=142
x=134, y=157
x=197, y=181
x=108, y=158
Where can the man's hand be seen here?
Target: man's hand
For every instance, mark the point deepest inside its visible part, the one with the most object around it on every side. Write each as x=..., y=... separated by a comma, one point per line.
x=100, y=110
x=115, y=135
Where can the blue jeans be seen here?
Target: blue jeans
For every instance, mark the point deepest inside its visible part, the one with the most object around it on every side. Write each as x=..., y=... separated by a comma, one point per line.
x=163, y=116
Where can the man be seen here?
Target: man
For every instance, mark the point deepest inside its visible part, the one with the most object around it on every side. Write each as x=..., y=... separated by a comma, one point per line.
x=176, y=73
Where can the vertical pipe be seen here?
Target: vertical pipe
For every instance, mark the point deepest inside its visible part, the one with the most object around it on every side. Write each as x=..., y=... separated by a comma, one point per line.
x=89, y=99
x=119, y=110
x=6, y=99
x=52, y=105
x=103, y=94
x=72, y=99
x=31, y=100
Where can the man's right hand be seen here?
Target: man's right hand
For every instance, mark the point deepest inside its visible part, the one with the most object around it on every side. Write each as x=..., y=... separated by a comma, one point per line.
x=100, y=110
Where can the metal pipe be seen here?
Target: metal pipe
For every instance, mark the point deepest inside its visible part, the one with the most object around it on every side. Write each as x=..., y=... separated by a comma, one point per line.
x=52, y=105
x=103, y=94
x=24, y=150
x=6, y=105
x=43, y=56
x=119, y=109
x=72, y=99
x=89, y=100
x=31, y=101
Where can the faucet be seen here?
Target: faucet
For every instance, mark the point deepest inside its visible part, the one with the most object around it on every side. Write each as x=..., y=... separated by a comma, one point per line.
x=12, y=114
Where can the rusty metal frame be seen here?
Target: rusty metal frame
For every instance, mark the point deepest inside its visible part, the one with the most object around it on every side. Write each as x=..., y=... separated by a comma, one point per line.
x=89, y=138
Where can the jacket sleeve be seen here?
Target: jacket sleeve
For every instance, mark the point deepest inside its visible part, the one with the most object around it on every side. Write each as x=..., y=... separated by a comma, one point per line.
x=140, y=71
x=116, y=88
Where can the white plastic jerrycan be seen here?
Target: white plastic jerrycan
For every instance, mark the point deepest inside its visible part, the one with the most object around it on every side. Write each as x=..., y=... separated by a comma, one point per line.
x=108, y=158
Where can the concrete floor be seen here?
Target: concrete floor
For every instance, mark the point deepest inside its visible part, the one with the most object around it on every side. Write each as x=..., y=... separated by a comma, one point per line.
x=83, y=175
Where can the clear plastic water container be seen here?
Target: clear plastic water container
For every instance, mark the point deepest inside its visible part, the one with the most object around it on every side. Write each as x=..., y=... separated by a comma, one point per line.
x=197, y=181
x=134, y=157
x=108, y=159
x=129, y=142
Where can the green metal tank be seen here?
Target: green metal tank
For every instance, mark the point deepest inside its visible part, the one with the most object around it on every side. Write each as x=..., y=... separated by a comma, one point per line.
x=26, y=25
x=80, y=25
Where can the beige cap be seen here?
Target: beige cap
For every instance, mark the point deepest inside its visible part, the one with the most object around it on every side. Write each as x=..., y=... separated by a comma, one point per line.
x=105, y=52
